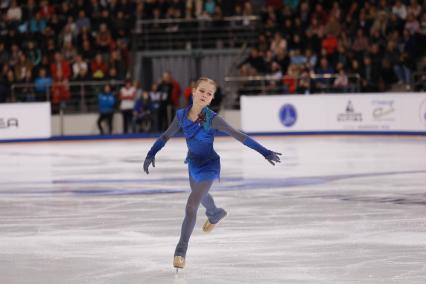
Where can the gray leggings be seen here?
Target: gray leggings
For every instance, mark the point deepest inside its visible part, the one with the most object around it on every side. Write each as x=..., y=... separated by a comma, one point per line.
x=199, y=194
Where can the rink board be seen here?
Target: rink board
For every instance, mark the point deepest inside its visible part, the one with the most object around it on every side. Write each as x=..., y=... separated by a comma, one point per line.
x=25, y=121
x=346, y=113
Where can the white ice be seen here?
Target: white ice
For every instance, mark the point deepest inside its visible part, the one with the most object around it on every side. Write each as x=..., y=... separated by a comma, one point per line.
x=337, y=210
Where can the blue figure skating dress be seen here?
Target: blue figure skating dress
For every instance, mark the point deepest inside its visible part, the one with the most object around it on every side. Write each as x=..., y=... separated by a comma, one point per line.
x=203, y=162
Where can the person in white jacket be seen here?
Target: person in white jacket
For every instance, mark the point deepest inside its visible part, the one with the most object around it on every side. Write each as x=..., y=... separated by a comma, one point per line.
x=127, y=98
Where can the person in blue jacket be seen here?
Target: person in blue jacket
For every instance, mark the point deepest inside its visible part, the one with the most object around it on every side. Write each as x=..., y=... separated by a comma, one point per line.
x=107, y=102
x=199, y=125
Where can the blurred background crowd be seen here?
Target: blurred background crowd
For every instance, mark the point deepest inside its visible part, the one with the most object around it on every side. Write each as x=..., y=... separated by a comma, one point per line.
x=303, y=47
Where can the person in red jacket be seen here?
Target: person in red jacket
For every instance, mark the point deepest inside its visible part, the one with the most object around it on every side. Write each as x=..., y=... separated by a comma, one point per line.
x=60, y=69
x=176, y=92
x=98, y=67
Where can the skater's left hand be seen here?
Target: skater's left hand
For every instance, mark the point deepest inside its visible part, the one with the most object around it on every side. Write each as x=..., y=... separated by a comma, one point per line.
x=148, y=161
x=273, y=157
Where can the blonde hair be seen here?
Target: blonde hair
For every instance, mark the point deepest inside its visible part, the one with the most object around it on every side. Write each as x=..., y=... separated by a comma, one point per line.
x=205, y=79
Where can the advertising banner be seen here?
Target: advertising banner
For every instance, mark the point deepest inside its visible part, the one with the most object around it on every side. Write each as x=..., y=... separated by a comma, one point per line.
x=360, y=112
x=25, y=121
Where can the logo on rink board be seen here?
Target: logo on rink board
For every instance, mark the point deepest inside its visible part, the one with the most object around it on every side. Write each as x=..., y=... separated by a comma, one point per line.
x=422, y=113
x=350, y=114
x=8, y=123
x=384, y=110
x=288, y=115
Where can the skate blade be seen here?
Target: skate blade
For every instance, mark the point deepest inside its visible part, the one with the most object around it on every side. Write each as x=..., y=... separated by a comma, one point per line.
x=178, y=262
x=208, y=227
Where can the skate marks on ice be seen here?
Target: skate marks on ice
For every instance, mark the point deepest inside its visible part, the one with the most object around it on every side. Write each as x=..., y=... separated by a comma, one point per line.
x=338, y=210
x=176, y=185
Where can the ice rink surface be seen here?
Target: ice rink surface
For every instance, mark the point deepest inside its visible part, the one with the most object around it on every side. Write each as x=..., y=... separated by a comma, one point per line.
x=347, y=209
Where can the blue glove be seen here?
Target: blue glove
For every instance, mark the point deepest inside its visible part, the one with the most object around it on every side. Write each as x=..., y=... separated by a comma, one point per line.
x=150, y=157
x=269, y=155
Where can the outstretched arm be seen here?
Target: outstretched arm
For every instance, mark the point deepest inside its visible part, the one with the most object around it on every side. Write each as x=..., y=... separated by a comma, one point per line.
x=161, y=141
x=220, y=124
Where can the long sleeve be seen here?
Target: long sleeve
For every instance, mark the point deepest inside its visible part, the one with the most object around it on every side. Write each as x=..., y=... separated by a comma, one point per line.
x=162, y=140
x=172, y=130
x=220, y=124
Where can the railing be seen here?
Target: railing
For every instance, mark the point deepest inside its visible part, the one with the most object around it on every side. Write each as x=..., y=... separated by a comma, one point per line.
x=302, y=84
x=66, y=97
x=203, y=33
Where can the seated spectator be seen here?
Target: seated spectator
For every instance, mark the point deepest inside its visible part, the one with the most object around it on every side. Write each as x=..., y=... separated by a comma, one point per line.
x=83, y=36
x=304, y=83
x=80, y=70
x=412, y=25
x=360, y=43
x=4, y=55
x=69, y=51
x=82, y=21
x=113, y=75
x=117, y=63
x=256, y=61
x=296, y=58
x=26, y=92
x=421, y=85
x=282, y=59
x=370, y=75
x=104, y=39
x=46, y=10
x=87, y=51
x=403, y=70
x=37, y=24
x=14, y=14
x=60, y=69
x=22, y=67
x=278, y=43
x=291, y=79
x=34, y=53
x=99, y=68
x=341, y=82
x=296, y=43
x=324, y=71
x=276, y=72
x=329, y=43
x=414, y=9
x=387, y=77
x=399, y=9
x=310, y=59
x=67, y=36
x=14, y=55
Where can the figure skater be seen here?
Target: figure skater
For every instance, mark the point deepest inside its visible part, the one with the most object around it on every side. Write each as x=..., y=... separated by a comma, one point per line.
x=199, y=125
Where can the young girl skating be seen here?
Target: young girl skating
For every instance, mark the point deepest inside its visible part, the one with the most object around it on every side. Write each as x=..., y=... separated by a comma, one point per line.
x=199, y=125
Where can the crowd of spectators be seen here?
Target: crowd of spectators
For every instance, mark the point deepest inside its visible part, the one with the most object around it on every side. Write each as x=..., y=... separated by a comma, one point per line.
x=52, y=43
x=304, y=46
x=146, y=109
x=322, y=46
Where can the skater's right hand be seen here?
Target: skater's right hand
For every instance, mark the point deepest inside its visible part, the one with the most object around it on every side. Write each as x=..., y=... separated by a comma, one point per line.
x=148, y=161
